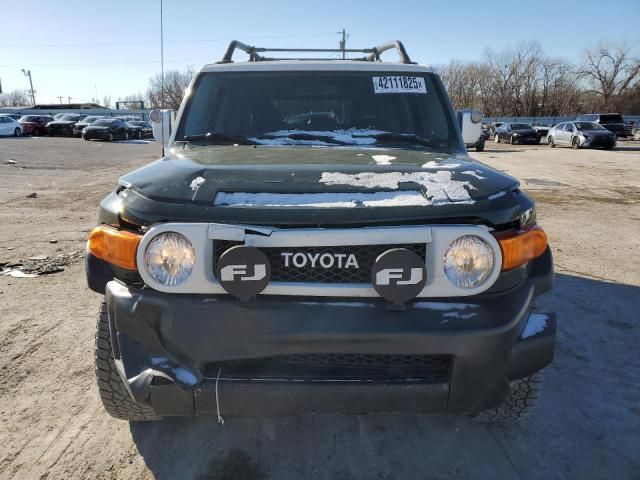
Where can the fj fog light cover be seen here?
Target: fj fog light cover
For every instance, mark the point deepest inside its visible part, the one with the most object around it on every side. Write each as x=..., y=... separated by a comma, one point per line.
x=170, y=258
x=468, y=261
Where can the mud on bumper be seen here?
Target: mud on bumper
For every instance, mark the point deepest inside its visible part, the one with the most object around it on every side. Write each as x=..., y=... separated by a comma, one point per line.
x=281, y=356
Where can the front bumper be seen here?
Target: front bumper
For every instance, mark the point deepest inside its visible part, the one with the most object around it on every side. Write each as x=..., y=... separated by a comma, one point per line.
x=171, y=349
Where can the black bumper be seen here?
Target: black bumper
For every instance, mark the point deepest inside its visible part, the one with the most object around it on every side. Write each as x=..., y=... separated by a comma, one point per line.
x=171, y=349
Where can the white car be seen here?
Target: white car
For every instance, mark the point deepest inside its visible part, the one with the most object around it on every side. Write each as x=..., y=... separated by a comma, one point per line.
x=9, y=126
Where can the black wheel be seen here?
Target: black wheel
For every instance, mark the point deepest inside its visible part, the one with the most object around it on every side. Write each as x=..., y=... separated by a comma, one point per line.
x=35, y=132
x=511, y=142
x=538, y=141
x=115, y=397
x=551, y=142
x=575, y=143
x=85, y=138
x=110, y=138
x=16, y=132
x=520, y=402
x=479, y=147
x=139, y=134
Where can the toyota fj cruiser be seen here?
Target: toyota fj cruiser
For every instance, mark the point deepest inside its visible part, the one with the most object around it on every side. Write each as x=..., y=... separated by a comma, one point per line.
x=316, y=239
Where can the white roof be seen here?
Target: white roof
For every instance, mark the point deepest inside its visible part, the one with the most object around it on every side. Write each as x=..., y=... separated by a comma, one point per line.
x=325, y=65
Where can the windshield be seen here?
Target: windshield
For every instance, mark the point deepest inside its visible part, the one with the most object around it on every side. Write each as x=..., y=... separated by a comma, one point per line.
x=70, y=118
x=320, y=108
x=90, y=119
x=610, y=119
x=588, y=126
x=520, y=126
x=29, y=118
x=102, y=123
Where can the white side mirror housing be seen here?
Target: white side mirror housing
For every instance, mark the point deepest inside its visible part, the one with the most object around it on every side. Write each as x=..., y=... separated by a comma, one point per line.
x=470, y=125
x=162, y=124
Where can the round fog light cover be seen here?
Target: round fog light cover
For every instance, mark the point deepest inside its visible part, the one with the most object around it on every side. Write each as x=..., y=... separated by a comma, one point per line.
x=468, y=261
x=170, y=258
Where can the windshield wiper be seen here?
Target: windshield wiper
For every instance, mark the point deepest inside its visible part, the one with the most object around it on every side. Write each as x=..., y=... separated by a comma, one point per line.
x=389, y=137
x=304, y=136
x=219, y=138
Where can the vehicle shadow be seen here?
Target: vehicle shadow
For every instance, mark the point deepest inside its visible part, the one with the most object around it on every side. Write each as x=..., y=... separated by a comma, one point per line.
x=585, y=426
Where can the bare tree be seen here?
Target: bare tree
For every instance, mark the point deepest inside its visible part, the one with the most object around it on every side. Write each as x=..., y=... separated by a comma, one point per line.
x=106, y=101
x=175, y=84
x=16, y=98
x=611, y=71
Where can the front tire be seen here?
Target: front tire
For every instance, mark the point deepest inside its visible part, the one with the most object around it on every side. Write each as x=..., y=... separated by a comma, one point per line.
x=551, y=142
x=115, y=397
x=17, y=132
x=479, y=147
x=520, y=402
x=110, y=137
x=576, y=143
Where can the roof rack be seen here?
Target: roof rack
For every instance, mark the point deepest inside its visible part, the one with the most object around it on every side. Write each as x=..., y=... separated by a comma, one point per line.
x=373, y=54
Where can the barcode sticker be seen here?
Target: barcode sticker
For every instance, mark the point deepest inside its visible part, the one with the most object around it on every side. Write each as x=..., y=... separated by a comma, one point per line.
x=399, y=85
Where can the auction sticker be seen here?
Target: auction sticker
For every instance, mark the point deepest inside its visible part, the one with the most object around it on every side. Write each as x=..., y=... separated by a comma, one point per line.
x=399, y=85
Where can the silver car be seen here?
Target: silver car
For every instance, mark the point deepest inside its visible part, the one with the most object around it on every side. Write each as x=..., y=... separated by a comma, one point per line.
x=581, y=134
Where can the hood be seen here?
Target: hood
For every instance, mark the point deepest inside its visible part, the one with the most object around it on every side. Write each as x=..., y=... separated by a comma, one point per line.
x=61, y=123
x=597, y=133
x=525, y=131
x=266, y=184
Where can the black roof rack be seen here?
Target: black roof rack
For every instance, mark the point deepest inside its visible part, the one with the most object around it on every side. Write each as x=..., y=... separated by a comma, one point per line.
x=373, y=54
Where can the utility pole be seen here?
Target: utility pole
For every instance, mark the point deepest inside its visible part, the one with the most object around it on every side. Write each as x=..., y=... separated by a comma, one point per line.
x=60, y=97
x=27, y=73
x=343, y=42
x=69, y=98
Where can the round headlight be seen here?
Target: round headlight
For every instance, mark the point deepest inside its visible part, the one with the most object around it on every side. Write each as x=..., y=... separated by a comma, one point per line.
x=468, y=261
x=170, y=258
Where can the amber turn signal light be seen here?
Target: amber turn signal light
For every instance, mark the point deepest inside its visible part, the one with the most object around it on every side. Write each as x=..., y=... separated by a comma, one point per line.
x=522, y=246
x=118, y=247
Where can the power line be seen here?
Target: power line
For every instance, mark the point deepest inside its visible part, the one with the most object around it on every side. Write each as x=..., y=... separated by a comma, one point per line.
x=113, y=44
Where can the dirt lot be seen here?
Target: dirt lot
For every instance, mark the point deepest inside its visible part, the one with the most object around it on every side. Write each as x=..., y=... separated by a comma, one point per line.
x=52, y=424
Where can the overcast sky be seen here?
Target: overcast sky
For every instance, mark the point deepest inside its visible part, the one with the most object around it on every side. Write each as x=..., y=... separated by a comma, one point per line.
x=80, y=48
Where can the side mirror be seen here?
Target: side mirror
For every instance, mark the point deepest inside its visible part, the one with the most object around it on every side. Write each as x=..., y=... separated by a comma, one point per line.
x=470, y=122
x=162, y=124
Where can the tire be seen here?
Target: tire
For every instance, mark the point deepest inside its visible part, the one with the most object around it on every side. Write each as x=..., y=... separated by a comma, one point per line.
x=479, y=147
x=139, y=134
x=575, y=143
x=497, y=137
x=110, y=137
x=17, y=132
x=35, y=132
x=115, y=397
x=126, y=135
x=551, y=142
x=519, y=404
x=85, y=138
x=511, y=140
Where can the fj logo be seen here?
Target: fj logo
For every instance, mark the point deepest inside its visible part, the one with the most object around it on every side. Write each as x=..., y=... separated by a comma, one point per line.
x=384, y=277
x=230, y=272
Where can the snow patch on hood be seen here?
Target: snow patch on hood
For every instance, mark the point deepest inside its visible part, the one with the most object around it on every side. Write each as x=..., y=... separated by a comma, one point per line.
x=196, y=182
x=439, y=186
x=441, y=166
x=322, y=200
x=351, y=136
x=383, y=159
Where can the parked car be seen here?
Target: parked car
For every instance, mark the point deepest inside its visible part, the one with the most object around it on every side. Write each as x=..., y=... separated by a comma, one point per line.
x=581, y=134
x=64, y=126
x=35, y=124
x=516, y=133
x=78, y=127
x=541, y=128
x=15, y=116
x=610, y=121
x=493, y=127
x=226, y=294
x=147, y=130
x=10, y=126
x=129, y=118
x=108, y=129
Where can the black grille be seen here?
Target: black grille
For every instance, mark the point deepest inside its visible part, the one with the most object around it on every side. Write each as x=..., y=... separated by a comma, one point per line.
x=337, y=366
x=365, y=255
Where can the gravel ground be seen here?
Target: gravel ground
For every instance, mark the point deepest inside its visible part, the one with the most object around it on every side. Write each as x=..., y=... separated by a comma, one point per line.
x=52, y=424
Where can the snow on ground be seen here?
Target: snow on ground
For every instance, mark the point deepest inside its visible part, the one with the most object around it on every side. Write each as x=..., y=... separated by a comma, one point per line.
x=383, y=159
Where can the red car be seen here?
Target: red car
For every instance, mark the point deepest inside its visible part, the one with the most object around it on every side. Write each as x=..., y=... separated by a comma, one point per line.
x=35, y=124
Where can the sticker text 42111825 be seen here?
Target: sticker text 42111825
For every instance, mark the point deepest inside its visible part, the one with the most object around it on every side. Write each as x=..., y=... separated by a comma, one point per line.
x=395, y=84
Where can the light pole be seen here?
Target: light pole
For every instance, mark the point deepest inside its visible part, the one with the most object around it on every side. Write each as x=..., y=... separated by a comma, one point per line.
x=27, y=73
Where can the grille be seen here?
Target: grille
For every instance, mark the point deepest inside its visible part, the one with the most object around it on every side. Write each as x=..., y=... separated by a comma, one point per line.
x=365, y=255
x=337, y=366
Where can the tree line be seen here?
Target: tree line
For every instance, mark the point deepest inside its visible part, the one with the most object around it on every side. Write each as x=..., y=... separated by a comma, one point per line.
x=525, y=82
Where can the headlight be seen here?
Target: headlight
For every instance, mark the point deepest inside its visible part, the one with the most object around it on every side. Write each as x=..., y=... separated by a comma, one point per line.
x=516, y=134
x=468, y=261
x=170, y=258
